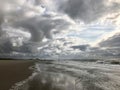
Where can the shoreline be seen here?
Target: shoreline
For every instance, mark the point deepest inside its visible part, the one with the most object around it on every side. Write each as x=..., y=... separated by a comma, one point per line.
x=13, y=71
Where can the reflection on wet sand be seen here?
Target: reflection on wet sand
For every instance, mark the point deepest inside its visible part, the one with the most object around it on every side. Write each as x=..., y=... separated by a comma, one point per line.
x=73, y=75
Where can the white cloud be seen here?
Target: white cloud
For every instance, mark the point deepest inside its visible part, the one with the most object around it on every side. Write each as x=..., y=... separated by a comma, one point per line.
x=58, y=20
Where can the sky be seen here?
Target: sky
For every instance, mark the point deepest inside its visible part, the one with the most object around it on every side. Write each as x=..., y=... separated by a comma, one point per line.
x=60, y=28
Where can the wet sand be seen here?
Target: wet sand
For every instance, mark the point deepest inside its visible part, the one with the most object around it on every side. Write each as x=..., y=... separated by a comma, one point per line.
x=12, y=71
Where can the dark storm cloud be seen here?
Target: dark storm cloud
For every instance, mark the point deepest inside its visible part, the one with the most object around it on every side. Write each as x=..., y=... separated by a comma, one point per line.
x=81, y=47
x=1, y=20
x=88, y=10
x=113, y=41
x=109, y=47
x=41, y=26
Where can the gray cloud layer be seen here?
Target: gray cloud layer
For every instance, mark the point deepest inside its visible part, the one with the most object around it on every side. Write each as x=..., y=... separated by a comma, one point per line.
x=86, y=11
x=111, y=45
x=113, y=41
x=39, y=26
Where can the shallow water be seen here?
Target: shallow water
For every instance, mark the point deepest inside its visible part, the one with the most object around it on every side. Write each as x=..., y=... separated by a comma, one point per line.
x=72, y=75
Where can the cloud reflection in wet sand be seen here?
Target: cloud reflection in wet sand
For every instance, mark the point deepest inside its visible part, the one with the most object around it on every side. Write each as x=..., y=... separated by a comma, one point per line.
x=74, y=75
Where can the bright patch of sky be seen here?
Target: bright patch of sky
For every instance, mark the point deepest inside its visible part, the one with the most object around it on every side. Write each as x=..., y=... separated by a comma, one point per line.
x=89, y=33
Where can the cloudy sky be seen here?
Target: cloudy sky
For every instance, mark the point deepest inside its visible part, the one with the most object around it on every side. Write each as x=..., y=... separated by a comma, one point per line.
x=60, y=28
